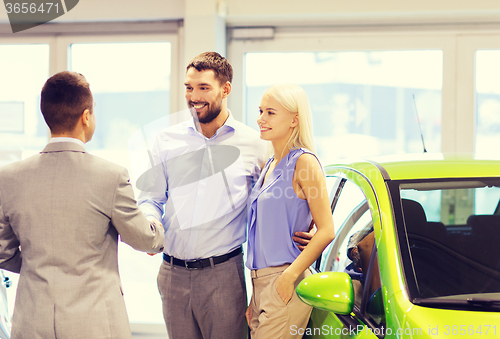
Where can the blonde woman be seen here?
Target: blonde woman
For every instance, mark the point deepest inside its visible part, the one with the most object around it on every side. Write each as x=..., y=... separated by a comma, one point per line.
x=290, y=192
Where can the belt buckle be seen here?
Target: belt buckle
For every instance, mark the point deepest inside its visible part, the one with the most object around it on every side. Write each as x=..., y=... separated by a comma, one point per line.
x=187, y=262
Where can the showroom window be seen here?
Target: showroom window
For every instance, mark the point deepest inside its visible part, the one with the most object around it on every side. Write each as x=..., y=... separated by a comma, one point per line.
x=364, y=103
x=131, y=87
x=23, y=70
x=487, y=103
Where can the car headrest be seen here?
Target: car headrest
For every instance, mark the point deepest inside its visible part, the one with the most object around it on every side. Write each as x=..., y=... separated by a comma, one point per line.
x=414, y=215
x=486, y=225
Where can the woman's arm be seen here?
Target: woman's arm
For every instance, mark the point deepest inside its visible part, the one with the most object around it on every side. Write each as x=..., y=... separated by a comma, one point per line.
x=309, y=183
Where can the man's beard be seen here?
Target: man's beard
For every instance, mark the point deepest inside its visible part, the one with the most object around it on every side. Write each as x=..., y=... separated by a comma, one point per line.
x=209, y=115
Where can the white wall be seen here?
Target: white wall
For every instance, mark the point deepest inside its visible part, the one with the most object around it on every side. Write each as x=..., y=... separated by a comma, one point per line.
x=114, y=10
x=273, y=12
x=119, y=10
x=320, y=12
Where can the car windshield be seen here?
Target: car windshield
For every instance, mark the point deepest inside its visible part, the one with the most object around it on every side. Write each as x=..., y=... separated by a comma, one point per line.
x=449, y=235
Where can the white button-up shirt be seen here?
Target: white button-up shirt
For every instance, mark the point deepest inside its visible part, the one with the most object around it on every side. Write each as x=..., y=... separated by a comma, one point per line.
x=199, y=187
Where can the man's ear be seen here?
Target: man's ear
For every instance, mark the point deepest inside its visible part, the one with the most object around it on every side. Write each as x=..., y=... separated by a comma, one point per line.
x=86, y=117
x=226, y=89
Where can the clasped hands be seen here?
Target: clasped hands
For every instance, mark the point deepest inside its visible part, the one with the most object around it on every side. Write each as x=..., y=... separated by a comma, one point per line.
x=157, y=224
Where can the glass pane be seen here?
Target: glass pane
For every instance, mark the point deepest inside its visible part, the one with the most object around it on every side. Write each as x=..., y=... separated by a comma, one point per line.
x=131, y=87
x=456, y=254
x=351, y=200
x=348, y=258
x=361, y=228
x=363, y=103
x=23, y=70
x=23, y=132
x=430, y=200
x=488, y=103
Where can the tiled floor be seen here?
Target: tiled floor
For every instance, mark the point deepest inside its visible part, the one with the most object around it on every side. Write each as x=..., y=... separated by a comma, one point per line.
x=148, y=331
x=149, y=336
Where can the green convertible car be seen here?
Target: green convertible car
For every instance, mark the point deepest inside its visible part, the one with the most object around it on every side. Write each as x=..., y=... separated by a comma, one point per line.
x=416, y=252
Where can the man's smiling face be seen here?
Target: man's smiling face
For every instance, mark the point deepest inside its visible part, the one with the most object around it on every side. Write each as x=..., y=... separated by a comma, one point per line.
x=203, y=94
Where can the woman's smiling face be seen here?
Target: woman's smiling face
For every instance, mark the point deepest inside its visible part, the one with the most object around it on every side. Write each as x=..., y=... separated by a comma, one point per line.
x=275, y=121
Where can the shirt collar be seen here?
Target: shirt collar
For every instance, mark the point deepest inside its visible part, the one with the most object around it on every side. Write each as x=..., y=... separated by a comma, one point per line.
x=229, y=125
x=66, y=139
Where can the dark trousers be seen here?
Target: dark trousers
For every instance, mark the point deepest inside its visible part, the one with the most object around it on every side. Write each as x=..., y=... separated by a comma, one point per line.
x=206, y=303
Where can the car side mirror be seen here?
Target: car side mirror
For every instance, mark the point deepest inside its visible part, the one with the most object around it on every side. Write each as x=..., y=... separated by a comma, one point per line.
x=330, y=291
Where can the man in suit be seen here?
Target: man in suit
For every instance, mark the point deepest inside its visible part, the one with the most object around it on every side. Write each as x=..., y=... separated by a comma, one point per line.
x=61, y=212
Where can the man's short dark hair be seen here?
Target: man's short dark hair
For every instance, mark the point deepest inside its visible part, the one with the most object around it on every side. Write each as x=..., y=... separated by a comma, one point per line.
x=65, y=96
x=215, y=62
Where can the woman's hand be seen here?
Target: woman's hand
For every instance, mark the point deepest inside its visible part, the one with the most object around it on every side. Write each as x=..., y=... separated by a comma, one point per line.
x=284, y=287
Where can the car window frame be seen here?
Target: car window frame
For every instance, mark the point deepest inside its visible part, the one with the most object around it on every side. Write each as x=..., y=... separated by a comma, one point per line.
x=334, y=197
x=394, y=190
x=359, y=313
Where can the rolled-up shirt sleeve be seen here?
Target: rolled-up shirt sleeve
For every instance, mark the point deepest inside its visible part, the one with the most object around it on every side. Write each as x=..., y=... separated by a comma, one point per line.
x=154, y=194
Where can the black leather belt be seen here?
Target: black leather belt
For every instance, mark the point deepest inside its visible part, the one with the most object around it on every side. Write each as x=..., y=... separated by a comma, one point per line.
x=200, y=263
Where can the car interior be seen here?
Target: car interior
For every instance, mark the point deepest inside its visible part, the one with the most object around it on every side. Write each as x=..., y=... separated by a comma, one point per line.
x=458, y=260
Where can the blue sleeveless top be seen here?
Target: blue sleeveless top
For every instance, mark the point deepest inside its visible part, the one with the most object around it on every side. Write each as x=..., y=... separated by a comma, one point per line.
x=275, y=213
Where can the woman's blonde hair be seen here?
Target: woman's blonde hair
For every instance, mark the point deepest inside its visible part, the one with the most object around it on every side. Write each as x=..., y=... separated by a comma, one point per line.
x=294, y=99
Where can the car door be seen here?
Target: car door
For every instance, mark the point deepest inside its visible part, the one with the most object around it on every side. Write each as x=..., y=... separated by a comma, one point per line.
x=353, y=251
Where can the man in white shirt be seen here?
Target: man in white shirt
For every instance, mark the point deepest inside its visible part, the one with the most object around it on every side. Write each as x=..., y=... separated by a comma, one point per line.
x=208, y=165
x=205, y=169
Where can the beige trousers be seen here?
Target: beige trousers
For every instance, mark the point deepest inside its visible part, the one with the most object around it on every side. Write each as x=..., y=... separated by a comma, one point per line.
x=271, y=317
